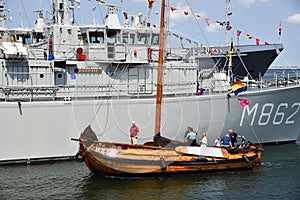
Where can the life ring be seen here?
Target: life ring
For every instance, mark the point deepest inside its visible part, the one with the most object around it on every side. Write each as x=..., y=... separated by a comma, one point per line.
x=79, y=50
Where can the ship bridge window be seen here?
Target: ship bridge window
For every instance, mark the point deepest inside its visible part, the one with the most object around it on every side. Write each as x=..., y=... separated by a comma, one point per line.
x=155, y=39
x=96, y=37
x=112, y=36
x=125, y=38
x=143, y=38
x=38, y=37
x=131, y=38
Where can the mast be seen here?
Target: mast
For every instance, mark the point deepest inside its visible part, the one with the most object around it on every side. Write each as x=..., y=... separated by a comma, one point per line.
x=159, y=86
x=227, y=20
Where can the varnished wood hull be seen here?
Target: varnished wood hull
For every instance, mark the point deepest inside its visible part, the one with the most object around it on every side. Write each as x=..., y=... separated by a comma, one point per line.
x=142, y=161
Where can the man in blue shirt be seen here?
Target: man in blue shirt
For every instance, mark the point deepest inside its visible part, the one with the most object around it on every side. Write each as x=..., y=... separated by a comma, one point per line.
x=225, y=141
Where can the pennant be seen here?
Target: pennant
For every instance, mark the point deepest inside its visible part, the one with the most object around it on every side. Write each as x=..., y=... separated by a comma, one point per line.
x=238, y=33
x=150, y=3
x=239, y=87
x=249, y=36
x=125, y=15
x=257, y=41
x=266, y=43
x=186, y=13
x=207, y=21
x=243, y=102
x=173, y=9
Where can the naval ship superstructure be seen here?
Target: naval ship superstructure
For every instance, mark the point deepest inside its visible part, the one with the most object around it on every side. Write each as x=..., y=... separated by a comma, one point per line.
x=58, y=78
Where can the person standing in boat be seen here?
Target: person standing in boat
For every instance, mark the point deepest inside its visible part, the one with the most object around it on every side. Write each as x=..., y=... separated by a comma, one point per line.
x=204, y=139
x=190, y=138
x=244, y=142
x=217, y=142
x=225, y=141
x=134, y=131
x=233, y=137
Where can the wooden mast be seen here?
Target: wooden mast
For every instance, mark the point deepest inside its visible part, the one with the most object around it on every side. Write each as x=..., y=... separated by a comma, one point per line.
x=159, y=86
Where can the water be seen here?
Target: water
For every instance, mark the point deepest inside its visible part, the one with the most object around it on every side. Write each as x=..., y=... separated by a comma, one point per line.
x=277, y=178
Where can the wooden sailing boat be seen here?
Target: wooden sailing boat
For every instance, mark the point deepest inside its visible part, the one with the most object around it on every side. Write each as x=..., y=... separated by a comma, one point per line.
x=162, y=156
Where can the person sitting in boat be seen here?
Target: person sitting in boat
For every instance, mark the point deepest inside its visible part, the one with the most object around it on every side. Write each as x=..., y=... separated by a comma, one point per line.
x=244, y=142
x=225, y=141
x=203, y=140
x=233, y=137
x=134, y=130
x=190, y=138
x=217, y=142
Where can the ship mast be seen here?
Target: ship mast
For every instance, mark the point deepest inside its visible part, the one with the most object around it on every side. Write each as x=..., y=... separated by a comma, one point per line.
x=159, y=86
x=227, y=21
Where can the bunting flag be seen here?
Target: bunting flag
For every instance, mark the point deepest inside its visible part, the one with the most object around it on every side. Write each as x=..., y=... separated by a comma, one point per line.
x=243, y=102
x=228, y=28
x=238, y=33
x=150, y=3
x=197, y=15
x=249, y=36
x=257, y=41
x=266, y=43
x=173, y=9
x=207, y=21
x=220, y=23
x=239, y=87
x=279, y=30
x=186, y=13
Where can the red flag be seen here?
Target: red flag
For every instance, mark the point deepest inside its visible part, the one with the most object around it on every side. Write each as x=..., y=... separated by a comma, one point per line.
x=266, y=43
x=150, y=3
x=238, y=33
x=249, y=36
x=207, y=21
x=173, y=9
x=243, y=102
x=186, y=13
x=257, y=41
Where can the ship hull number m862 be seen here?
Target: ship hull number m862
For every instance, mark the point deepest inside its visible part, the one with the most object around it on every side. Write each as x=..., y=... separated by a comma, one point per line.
x=269, y=113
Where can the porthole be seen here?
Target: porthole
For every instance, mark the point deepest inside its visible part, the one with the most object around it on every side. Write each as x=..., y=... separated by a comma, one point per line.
x=59, y=75
x=42, y=75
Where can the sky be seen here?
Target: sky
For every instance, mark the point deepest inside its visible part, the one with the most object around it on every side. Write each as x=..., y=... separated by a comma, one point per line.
x=259, y=18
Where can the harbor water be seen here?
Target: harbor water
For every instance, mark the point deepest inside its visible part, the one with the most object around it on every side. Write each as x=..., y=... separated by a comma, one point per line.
x=277, y=178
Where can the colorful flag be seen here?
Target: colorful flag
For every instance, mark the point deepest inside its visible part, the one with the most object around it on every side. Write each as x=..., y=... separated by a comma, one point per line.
x=243, y=102
x=249, y=36
x=207, y=21
x=239, y=87
x=186, y=13
x=238, y=32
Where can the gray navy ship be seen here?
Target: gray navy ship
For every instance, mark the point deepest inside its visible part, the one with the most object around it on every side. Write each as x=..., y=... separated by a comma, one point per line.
x=58, y=77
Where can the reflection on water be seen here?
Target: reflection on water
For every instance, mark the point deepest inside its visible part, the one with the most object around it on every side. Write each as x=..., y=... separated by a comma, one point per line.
x=277, y=178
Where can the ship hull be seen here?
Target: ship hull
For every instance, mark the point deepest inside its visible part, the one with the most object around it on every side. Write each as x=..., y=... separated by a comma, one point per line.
x=247, y=59
x=42, y=130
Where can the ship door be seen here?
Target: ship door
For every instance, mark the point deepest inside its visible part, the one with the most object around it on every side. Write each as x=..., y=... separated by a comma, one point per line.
x=140, y=80
x=60, y=77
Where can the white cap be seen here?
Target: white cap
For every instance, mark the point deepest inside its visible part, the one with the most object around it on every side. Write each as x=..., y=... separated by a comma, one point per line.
x=133, y=122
